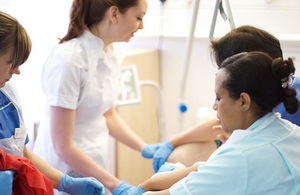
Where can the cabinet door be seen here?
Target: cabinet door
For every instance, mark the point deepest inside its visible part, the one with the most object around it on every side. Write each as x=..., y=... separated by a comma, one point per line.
x=142, y=118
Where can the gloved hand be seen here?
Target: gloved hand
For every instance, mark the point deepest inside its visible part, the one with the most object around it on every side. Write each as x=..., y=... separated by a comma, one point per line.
x=123, y=188
x=137, y=191
x=6, y=182
x=81, y=185
x=149, y=150
x=161, y=155
x=166, y=167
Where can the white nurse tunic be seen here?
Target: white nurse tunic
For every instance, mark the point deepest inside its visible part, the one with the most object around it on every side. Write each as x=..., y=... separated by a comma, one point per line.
x=78, y=75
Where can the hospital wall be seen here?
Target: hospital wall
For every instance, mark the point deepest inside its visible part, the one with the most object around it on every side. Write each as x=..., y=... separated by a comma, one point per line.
x=169, y=36
x=199, y=94
x=165, y=28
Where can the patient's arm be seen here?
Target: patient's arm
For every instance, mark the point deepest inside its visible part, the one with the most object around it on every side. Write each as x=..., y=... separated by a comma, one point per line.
x=164, y=192
x=190, y=153
x=165, y=181
x=200, y=133
x=195, y=144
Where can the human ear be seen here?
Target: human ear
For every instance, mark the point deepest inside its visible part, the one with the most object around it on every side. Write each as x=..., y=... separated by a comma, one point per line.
x=113, y=14
x=245, y=100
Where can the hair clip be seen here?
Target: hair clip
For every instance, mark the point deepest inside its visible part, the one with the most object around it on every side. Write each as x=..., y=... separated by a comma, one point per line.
x=286, y=81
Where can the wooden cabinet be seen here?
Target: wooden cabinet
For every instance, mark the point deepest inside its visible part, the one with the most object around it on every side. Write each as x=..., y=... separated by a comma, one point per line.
x=142, y=118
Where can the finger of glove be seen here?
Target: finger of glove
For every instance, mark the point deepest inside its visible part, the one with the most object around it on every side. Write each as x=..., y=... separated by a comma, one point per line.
x=150, y=149
x=160, y=157
x=100, y=191
x=137, y=191
x=155, y=164
x=95, y=183
x=82, y=186
x=166, y=167
x=91, y=190
x=123, y=188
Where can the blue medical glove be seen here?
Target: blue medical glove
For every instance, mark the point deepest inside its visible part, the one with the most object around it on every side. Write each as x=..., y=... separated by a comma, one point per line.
x=166, y=167
x=137, y=191
x=123, y=188
x=6, y=182
x=161, y=155
x=80, y=185
x=149, y=150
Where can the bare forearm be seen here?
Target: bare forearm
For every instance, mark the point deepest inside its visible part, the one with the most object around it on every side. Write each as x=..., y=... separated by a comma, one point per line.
x=164, y=192
x=121, y=131
x=165, y=181
x=84, y=165
x=62, y=128
x=200, y=133
x=53, y=174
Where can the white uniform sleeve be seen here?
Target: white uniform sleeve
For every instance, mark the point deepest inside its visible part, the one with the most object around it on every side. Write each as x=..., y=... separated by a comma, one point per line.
x=226, y=173
x=61, y=78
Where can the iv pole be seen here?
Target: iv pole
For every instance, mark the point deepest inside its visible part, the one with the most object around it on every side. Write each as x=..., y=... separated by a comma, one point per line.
x=219, y=5
x=188, y=47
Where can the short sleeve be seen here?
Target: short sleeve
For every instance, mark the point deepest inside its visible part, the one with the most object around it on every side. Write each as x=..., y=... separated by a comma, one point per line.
x=61, y=78
x=226, y=173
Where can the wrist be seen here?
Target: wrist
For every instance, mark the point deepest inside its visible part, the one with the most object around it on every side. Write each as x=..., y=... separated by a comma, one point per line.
x=112, y=185
x=174, y=140
x=142, y=147
x=62, y=183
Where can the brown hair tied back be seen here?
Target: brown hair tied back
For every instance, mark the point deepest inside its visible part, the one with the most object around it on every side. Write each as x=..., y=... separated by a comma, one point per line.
x=283, y=70
x=85, y=13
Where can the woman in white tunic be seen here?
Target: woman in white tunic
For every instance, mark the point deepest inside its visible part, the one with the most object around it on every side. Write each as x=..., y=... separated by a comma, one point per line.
x=15, y=47
x=80, y=81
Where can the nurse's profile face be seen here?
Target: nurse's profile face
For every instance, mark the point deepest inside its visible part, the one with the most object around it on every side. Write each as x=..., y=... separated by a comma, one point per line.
x=227, y=108
x=5, y=68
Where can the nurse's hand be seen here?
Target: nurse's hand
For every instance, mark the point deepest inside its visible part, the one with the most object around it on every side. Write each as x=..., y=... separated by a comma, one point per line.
x=6, y=182
x=149, y=150
x=137, y=191
x=162, y=154
x=81, y=186
x=123, y=188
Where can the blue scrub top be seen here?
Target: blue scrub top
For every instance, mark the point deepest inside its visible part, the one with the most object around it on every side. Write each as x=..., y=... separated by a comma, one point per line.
x=294, y=118
x=9, y=118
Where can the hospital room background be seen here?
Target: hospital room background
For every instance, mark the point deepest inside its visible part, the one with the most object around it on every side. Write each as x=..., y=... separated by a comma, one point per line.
x=172, y=56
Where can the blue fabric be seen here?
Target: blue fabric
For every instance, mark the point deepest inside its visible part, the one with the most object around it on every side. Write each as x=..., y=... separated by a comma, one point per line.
x=137, y=191
x=123, y=188
x=149, y=150
x=264, y=159
x=6, y=181
x=166, y=167
x=294, y=118
x=161, y=155
x=81, y=186
x=9, y=118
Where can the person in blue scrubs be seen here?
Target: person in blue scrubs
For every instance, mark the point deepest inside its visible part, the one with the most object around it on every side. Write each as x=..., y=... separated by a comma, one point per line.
x=241, y=39
x=261, y=155
x=15, y=47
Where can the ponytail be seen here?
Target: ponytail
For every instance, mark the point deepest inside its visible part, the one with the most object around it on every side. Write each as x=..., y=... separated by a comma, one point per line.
x=85, y=13
x=283, y=70
x=79, y=13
